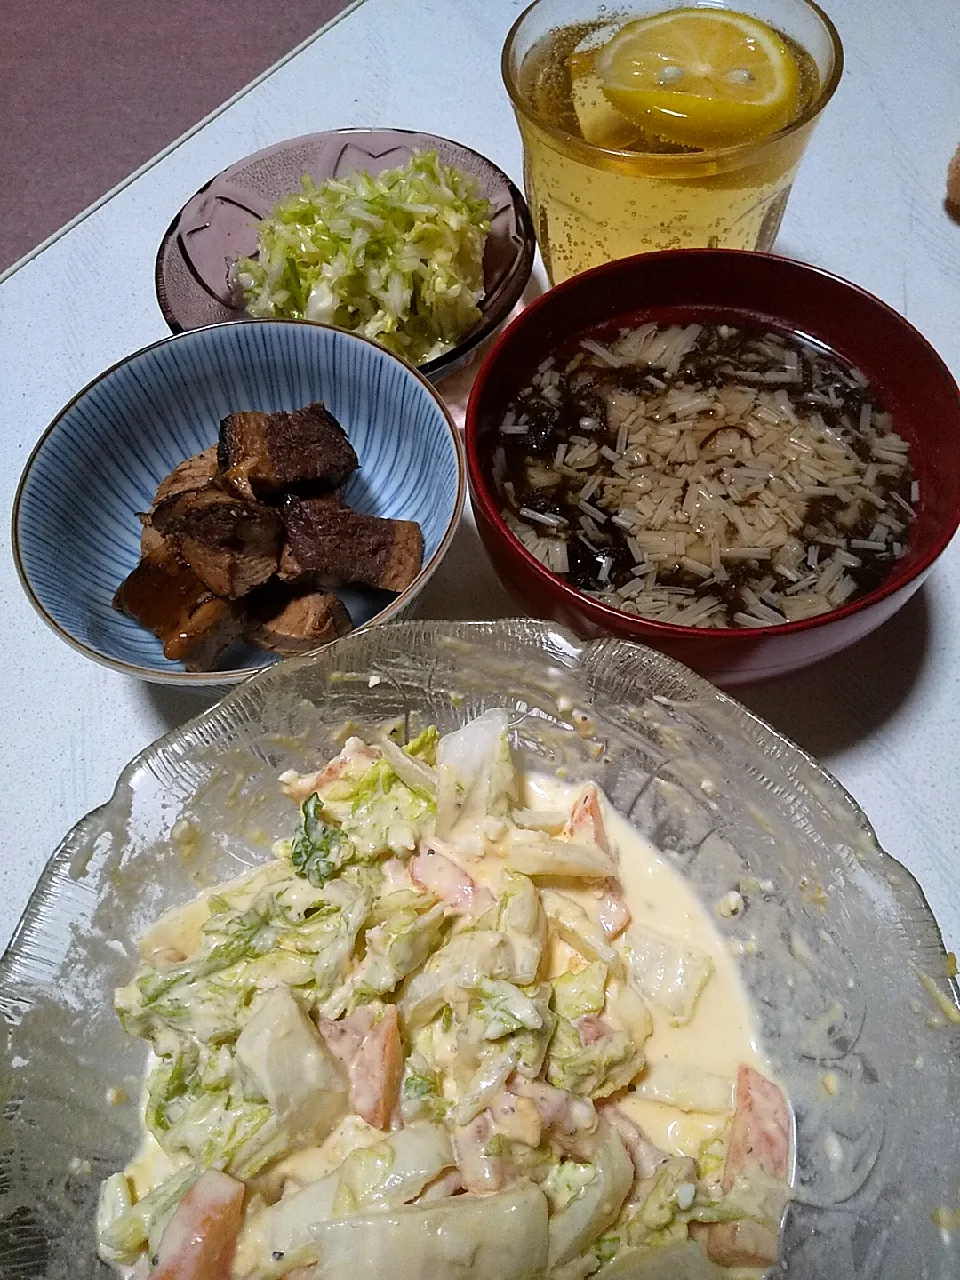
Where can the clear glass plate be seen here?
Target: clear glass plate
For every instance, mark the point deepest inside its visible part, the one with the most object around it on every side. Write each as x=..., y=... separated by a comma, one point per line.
x=840, y=929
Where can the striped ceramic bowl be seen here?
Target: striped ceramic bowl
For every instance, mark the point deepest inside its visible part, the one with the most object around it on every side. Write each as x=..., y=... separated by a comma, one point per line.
x=76, y=534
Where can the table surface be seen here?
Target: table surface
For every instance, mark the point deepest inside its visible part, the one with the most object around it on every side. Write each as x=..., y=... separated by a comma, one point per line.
x=868, y=205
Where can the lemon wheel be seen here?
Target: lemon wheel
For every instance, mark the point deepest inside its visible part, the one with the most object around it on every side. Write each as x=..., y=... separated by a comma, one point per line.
x=701, y=77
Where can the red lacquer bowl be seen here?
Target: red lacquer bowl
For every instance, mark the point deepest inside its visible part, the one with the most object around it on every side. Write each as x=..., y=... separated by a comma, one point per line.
x=711, y=285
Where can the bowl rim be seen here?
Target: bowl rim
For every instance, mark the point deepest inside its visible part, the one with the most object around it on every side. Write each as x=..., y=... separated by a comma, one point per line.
x=236, y=675
x=488, y=323
x=611, y=618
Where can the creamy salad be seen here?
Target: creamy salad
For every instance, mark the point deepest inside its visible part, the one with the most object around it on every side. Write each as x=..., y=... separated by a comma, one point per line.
x=467, y=1023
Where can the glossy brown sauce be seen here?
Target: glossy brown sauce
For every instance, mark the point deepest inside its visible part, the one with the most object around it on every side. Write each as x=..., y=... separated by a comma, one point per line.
x=171, y=602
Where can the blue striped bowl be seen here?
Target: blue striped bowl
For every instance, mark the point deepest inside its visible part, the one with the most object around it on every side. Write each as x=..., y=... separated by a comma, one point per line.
x=75, y=529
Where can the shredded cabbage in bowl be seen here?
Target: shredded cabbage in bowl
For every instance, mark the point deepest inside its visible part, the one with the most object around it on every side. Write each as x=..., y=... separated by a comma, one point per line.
x=397, y=257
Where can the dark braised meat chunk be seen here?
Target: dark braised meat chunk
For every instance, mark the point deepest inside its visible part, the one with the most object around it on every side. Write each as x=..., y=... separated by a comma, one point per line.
x=290, y=570
x=232, y=546
x=337, y=545
x=167, y=598
x=277, y=619
x=245, y=539
x=261, y=454
x=193, y=473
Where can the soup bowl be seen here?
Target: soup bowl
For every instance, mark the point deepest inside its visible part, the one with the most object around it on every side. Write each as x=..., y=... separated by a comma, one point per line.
x=703, y=286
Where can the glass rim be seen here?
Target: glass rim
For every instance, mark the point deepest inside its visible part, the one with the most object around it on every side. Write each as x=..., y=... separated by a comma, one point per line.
x=681, y=159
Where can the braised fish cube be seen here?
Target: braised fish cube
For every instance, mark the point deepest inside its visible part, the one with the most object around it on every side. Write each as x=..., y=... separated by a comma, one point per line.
x=191, y=474
x=262, y=454
x=289, y=623
x=231, y=545
x=338, y=545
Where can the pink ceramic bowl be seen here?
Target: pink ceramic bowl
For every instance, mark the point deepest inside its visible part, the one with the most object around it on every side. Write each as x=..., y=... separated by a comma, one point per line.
x=219, y=224
x=712, y=284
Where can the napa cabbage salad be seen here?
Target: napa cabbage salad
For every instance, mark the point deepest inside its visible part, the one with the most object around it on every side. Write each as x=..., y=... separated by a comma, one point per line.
x=397, y=257
x=411, y=1042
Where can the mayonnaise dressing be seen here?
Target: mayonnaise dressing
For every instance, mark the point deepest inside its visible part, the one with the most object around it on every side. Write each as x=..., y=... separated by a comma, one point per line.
x=722, y=1033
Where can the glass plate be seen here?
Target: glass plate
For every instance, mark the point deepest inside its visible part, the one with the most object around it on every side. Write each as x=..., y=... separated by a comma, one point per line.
x=837, y=930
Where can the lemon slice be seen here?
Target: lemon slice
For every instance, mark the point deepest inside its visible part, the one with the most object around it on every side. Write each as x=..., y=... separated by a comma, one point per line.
x=600, y=122
x=701, y=77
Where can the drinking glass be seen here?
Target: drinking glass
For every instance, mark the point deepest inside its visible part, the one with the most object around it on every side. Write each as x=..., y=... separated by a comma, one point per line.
x=594, y=203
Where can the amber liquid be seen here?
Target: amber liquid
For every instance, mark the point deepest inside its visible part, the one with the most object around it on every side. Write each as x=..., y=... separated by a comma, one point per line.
x=606, y=190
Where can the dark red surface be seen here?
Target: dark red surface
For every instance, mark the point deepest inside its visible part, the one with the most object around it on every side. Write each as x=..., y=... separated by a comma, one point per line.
x=92, y=89
x=914, y=383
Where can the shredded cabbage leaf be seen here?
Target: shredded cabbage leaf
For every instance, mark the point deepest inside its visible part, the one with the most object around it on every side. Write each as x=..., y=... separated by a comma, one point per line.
x=396, y=257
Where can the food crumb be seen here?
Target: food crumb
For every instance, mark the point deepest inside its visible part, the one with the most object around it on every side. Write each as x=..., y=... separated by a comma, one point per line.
x=582, y=723
x=814, y=890
x=947, y=1006
x=708, y=787
x=564, y=702
x=374, y=681
x=801, y=950
x=186, y=836
x=750, y=884
x=731, y=904
x=918, y=1062
x=116, y=1097
x=833, y=1150
x=830, y=1083
x=946, y=1219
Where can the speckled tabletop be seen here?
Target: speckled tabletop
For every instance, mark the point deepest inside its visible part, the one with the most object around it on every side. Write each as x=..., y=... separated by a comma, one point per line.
x=868, y=204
